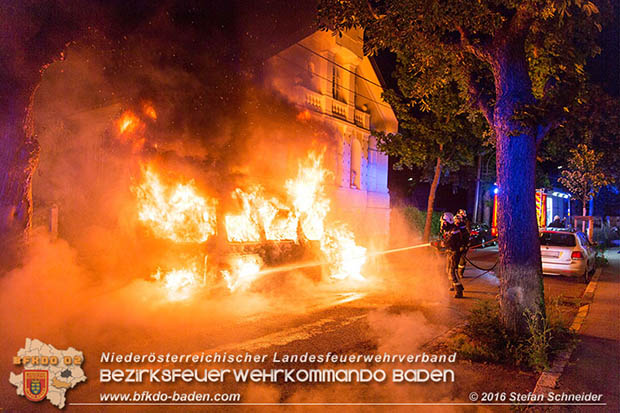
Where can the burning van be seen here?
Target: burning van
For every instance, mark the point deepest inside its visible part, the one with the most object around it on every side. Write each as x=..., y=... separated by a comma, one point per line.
x=259, y=233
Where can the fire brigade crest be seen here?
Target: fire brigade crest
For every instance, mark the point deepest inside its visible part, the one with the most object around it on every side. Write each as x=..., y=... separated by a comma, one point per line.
x=48, y=372
x=35, y=384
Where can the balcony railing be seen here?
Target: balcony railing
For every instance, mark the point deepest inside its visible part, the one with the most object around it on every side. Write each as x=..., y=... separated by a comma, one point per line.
x=362, y=119
x=339, y=109
x=322, y=104
x=314, y=101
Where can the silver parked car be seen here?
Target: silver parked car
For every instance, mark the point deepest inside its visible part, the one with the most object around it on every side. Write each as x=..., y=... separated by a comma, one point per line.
x=567, y=253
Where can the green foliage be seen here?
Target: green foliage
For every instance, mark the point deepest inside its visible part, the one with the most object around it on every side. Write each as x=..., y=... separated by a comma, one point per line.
x=440, y=42
x=538, y=342
x=593, y=119
x=601, y=261
x=584, y=176
x=443, y=131
x=486, y=339
x=604, y=238
x=416, y=219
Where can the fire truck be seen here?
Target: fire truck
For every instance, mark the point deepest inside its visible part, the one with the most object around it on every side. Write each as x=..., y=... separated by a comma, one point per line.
x=549, y=203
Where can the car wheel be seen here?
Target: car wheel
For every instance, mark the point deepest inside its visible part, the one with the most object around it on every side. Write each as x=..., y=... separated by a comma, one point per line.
x=586, y=275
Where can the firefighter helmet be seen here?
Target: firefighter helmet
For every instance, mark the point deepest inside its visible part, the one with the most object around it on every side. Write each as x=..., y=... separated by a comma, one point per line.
x=448, y=217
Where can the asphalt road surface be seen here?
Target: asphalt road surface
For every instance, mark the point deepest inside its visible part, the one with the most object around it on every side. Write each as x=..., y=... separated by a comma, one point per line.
x=406, y=304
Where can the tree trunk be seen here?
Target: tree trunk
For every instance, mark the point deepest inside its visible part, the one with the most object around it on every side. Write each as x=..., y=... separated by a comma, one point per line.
x=19, y=155
x=584, y=213
x=431, y=202
x=519, y=269
x=38, y=36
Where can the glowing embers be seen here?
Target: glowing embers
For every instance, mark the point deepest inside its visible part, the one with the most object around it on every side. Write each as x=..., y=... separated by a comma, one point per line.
x=304, y=115
x=260, y=218
x=130, y=130
x=149, y=110
x=180, y=284
x=175, y=211
x=244, y=269
x=128, y=123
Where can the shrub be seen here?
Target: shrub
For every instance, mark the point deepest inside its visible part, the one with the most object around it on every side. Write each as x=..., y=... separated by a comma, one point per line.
x=605, y=236
x=417, y=218
x=486, y=339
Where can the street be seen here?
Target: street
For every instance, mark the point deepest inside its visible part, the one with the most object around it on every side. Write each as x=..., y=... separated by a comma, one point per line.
x=405, y=313
x=342, y=317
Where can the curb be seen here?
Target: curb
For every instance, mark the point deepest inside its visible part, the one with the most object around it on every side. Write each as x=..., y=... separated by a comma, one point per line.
x=441, y=338
x=548, y=379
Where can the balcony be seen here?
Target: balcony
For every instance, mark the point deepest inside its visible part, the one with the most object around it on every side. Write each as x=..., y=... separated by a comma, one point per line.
x=362, y=119
x=329, y=106
x=339, y=109
x=314, y=101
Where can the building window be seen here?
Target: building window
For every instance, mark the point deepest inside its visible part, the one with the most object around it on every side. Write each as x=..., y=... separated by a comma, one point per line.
x=356, y=164
x=337, y=84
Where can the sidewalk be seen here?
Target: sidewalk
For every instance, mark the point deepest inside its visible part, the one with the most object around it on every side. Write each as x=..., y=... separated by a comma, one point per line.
x=595, y=363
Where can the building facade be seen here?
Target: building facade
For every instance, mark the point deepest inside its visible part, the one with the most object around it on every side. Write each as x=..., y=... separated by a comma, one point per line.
x=329, y=77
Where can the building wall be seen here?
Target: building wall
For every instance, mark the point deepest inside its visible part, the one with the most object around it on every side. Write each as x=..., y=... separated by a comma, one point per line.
x=331, y=78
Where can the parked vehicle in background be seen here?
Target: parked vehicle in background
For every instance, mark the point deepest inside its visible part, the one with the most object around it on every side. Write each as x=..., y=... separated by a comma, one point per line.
x=568, y=253
x=481, y=236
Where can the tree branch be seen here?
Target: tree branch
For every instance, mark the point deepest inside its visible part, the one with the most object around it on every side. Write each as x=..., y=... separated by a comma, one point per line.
x=480, y=51
x=372, y=11
x=543, y=130
x=479, y=100
x=521, y=21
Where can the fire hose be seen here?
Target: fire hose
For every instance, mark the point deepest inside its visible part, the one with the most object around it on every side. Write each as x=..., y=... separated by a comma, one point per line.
x=486, y=270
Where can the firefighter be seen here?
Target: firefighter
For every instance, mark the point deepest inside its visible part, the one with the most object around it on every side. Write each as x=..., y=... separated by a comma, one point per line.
x=462, y=213
x=464, y=224
x=452, y=242
x=557, y=222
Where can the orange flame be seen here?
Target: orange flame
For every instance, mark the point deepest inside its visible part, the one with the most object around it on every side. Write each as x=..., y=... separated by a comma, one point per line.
x=130, y=129
x=128, y=122
x=304, y=115
x=176, y=212
x=307, y=193
x=263, y=218
x=244, y=269
x=345, y=258
x=149, y=110
x=179, y=213
x=260, y=216
x=180, y=284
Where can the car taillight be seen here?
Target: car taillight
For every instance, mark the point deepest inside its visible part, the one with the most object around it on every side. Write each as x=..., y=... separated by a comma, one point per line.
x=576, y=255
x=474, y=233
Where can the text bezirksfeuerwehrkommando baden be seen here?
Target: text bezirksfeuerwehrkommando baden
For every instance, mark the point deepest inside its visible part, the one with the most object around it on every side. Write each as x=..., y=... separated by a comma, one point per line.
x=325, y=374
